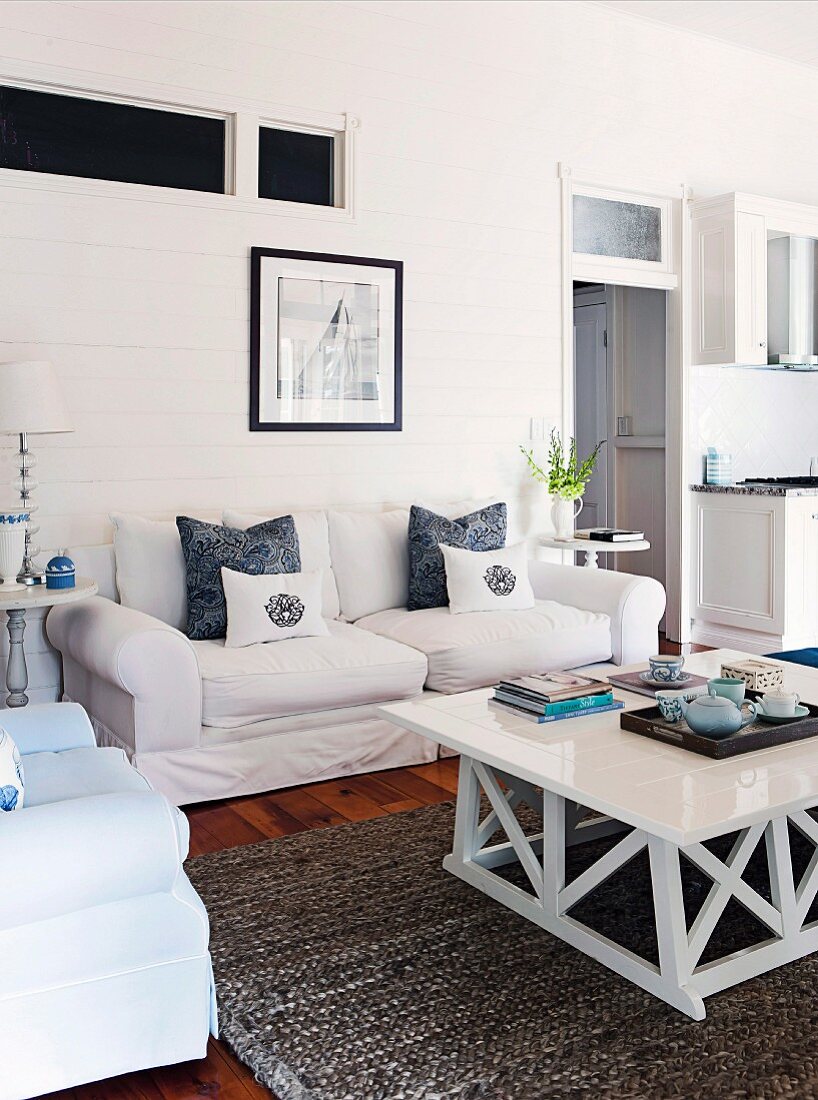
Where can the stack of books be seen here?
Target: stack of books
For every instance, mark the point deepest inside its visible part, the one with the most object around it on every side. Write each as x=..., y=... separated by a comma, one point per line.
x=554, y=697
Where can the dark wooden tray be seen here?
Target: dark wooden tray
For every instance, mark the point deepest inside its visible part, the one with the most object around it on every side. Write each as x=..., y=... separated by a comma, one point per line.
x=757, y=735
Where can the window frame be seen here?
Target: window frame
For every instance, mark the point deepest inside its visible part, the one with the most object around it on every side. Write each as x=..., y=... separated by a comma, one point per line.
x=610, y=269
x=243, y=119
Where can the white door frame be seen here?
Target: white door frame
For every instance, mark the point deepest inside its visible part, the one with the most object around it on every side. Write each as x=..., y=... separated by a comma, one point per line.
x=670, y=275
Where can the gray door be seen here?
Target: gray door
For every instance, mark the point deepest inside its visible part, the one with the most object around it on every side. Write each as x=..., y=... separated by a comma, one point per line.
x=591, y=404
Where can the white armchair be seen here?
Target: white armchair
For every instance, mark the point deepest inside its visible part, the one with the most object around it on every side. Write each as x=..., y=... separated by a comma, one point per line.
x=104, y=941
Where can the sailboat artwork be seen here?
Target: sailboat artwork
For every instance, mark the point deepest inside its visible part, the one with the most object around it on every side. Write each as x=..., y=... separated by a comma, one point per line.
x=325, y=343
x=343, y=364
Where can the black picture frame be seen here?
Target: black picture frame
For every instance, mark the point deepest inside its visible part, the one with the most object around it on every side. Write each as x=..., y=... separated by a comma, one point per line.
x=257, y=255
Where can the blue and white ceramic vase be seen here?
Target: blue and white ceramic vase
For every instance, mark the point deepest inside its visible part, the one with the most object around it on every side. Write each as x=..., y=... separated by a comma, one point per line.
x=12, y=777
x=12, y=546
x=60, y=572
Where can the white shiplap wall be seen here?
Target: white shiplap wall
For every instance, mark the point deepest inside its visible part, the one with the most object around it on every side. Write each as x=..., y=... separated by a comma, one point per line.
x=466, y=108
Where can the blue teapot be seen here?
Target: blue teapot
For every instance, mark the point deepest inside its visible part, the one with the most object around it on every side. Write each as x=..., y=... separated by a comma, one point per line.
x=716, y=717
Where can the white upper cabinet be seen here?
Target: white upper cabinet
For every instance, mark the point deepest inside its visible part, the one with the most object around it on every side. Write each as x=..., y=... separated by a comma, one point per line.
x=729, y=283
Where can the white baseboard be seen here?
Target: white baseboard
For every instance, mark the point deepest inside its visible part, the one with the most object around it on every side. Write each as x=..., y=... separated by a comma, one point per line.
x=729, y=637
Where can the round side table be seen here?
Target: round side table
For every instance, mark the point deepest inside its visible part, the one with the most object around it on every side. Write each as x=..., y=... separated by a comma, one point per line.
x=592, y=549
x=16, y=603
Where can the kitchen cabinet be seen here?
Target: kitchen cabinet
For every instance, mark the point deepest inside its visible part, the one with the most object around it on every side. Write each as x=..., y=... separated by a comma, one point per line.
x=756, y=561
x=729, y=283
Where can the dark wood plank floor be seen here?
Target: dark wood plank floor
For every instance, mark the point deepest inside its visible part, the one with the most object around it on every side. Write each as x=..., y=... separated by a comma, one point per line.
x=218, y=825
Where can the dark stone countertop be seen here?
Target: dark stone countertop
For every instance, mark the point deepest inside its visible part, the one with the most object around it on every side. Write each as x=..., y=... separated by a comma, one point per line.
x=756, y=490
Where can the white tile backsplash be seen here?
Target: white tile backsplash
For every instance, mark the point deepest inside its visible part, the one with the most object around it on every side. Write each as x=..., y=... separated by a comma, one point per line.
x=768, y=420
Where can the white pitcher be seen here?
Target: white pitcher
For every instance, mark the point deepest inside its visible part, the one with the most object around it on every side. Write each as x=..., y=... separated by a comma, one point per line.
x=563, y=516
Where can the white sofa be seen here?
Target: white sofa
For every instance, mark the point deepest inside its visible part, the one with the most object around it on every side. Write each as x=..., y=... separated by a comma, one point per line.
x=103, y=939
x=203, y=722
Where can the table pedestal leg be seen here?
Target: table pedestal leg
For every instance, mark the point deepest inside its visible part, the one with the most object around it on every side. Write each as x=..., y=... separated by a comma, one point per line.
x=16, y=671
x=591, y=559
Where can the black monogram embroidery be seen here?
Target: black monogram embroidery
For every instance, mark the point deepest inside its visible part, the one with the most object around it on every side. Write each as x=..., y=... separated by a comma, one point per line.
x=500, y=579
x=284, y=610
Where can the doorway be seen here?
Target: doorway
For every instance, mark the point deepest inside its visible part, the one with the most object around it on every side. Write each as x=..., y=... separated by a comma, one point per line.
x=620, y=364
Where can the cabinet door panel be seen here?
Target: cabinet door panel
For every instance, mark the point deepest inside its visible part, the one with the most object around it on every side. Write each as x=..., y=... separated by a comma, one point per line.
x=751, y=289
x=714, y=290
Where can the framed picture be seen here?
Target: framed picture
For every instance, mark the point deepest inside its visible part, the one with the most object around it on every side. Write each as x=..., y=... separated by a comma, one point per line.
x=325, y=342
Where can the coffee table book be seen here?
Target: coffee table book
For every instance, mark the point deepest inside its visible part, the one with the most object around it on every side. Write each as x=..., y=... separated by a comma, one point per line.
x=632, y=681
x=757, y=735
x=541, y=719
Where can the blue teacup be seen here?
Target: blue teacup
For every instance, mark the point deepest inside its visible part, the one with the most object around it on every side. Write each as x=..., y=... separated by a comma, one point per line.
x=666, y=668
x=670, y=702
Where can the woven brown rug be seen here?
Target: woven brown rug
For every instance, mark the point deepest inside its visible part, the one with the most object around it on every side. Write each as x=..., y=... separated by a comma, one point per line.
x=350, y=966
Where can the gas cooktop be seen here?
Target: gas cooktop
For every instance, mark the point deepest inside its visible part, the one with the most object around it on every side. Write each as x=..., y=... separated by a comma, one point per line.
x=793, y=482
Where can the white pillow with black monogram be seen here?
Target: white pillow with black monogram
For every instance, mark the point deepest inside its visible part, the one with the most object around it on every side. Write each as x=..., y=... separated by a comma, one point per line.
x=487, y=580
x=269, y=607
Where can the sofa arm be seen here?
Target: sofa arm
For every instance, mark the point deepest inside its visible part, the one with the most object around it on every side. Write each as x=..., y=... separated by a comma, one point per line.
x=634, y=605
x=63, y=857
x=145, y=658
x=49, y=727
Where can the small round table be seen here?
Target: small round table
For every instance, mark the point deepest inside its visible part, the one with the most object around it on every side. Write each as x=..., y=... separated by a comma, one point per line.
x=592, y=548
x=16, y=602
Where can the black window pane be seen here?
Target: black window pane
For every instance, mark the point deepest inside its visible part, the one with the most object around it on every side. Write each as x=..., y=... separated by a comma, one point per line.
x=68, y=136
x=295, y=167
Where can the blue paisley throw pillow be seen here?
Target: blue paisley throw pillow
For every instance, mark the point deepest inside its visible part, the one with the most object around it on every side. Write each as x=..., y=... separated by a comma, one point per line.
x=481, y=530
x=270, y=547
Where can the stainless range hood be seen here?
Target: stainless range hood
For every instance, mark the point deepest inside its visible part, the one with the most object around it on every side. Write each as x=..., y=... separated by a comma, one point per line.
x=792, y=303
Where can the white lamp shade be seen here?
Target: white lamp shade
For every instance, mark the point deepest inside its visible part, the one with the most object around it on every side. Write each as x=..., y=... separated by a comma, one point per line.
x=31, y=399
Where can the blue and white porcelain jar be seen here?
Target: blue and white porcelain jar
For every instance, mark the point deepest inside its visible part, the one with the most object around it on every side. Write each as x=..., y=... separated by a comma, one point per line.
x=12, y=777
x=60, y=572
x=12, y=546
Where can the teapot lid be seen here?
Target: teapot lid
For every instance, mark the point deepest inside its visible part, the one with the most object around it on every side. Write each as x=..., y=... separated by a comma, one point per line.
x=714, y=701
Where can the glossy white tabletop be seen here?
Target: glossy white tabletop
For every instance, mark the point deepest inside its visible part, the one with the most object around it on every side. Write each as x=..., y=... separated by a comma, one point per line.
x=675, y=794
x=37, y=595
x=594, y=545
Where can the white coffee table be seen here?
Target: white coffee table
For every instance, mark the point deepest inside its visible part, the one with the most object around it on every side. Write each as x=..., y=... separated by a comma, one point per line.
x=663, y=798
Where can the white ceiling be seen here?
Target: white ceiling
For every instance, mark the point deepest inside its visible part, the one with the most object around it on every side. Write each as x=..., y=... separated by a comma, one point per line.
x=783, y=28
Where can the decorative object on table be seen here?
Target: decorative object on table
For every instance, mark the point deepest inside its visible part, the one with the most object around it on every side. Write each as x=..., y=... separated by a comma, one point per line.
x=554, y=697
x=31, y=403
x=779, y=704
x=484, y=529
x=60, y=571
x=727, y=687
x=648, y=678
x=12, y=776
x=715, y=716
x=270, y=608
x=269, y=547
x=566, y=480
x=609, y=534
x=758, y=675
x=487, y=580
x=325, y=342
x=641, y=684
x=670, y=702
x=762, y=733
x=666, y=668
x=719, y=468
x=12, y=546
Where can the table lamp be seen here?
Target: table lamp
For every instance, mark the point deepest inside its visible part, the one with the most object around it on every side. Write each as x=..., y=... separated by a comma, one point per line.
x=31, y=403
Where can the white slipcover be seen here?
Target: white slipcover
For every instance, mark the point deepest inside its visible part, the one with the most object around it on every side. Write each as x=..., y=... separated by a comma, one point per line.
x=478, y=648
x=348, y=668
x=104, y=941
x=370, y=558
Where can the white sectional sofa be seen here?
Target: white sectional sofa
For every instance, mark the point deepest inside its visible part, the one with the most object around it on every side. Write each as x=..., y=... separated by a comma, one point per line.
x=202, y=721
